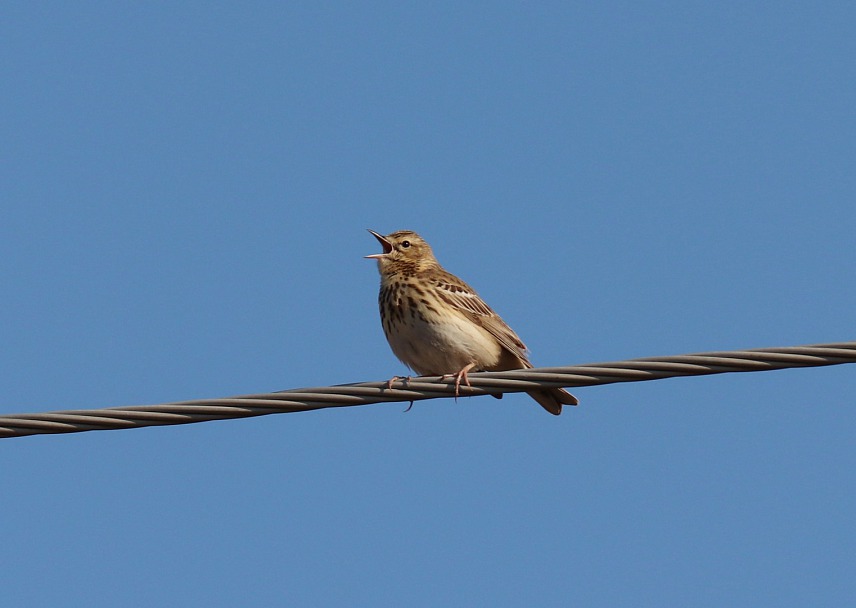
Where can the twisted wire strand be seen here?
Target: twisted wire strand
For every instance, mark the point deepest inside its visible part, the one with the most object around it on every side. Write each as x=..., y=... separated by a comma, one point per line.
x=416, y=389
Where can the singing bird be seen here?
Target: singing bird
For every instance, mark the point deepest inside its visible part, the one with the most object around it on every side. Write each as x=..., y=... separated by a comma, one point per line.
x=438, y=325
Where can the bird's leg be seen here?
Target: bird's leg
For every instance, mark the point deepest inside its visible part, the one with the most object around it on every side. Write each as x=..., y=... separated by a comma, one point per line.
x=461, y=375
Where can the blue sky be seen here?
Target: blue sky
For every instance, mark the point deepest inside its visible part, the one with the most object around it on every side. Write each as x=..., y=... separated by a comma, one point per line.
x=185, y=191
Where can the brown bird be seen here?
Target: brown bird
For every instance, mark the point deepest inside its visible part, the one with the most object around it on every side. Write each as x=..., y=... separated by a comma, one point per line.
x=439, y=326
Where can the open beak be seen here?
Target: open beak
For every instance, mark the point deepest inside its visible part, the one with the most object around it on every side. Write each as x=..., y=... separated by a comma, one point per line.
x=387, y=246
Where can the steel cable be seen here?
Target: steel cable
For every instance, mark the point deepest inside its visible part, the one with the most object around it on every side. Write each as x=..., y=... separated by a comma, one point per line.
x=416, y=389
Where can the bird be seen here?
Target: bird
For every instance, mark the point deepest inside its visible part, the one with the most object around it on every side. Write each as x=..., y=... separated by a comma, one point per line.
x=437, y=324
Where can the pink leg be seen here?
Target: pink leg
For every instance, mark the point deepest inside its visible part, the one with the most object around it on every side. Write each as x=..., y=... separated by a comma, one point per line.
x=462, y=375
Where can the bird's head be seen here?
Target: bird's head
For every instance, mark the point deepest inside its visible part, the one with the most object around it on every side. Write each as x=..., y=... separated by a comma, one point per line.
x=402, y=250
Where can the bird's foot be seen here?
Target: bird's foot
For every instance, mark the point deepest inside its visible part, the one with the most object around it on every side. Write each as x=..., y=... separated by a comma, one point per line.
x=459, y=377
x=394, y=378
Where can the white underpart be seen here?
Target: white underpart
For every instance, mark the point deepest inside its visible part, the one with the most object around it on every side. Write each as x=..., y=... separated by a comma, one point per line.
x=444, y=348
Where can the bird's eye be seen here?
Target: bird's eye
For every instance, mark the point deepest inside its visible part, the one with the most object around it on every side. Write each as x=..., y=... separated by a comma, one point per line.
x=405, y=244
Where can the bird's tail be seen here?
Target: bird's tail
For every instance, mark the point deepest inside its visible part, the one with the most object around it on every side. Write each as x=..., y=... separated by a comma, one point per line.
x=552, y=399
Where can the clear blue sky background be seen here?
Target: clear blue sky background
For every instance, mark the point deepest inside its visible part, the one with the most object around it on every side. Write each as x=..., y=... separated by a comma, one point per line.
x=185, y=190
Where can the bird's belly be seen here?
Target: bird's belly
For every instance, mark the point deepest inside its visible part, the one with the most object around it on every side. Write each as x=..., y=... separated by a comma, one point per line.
x=436, y=348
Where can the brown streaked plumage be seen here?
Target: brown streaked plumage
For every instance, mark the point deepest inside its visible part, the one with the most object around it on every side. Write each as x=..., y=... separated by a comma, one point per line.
x=438, y=325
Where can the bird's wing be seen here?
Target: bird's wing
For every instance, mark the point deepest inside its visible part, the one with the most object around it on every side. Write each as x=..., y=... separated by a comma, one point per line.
x=465, y=300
